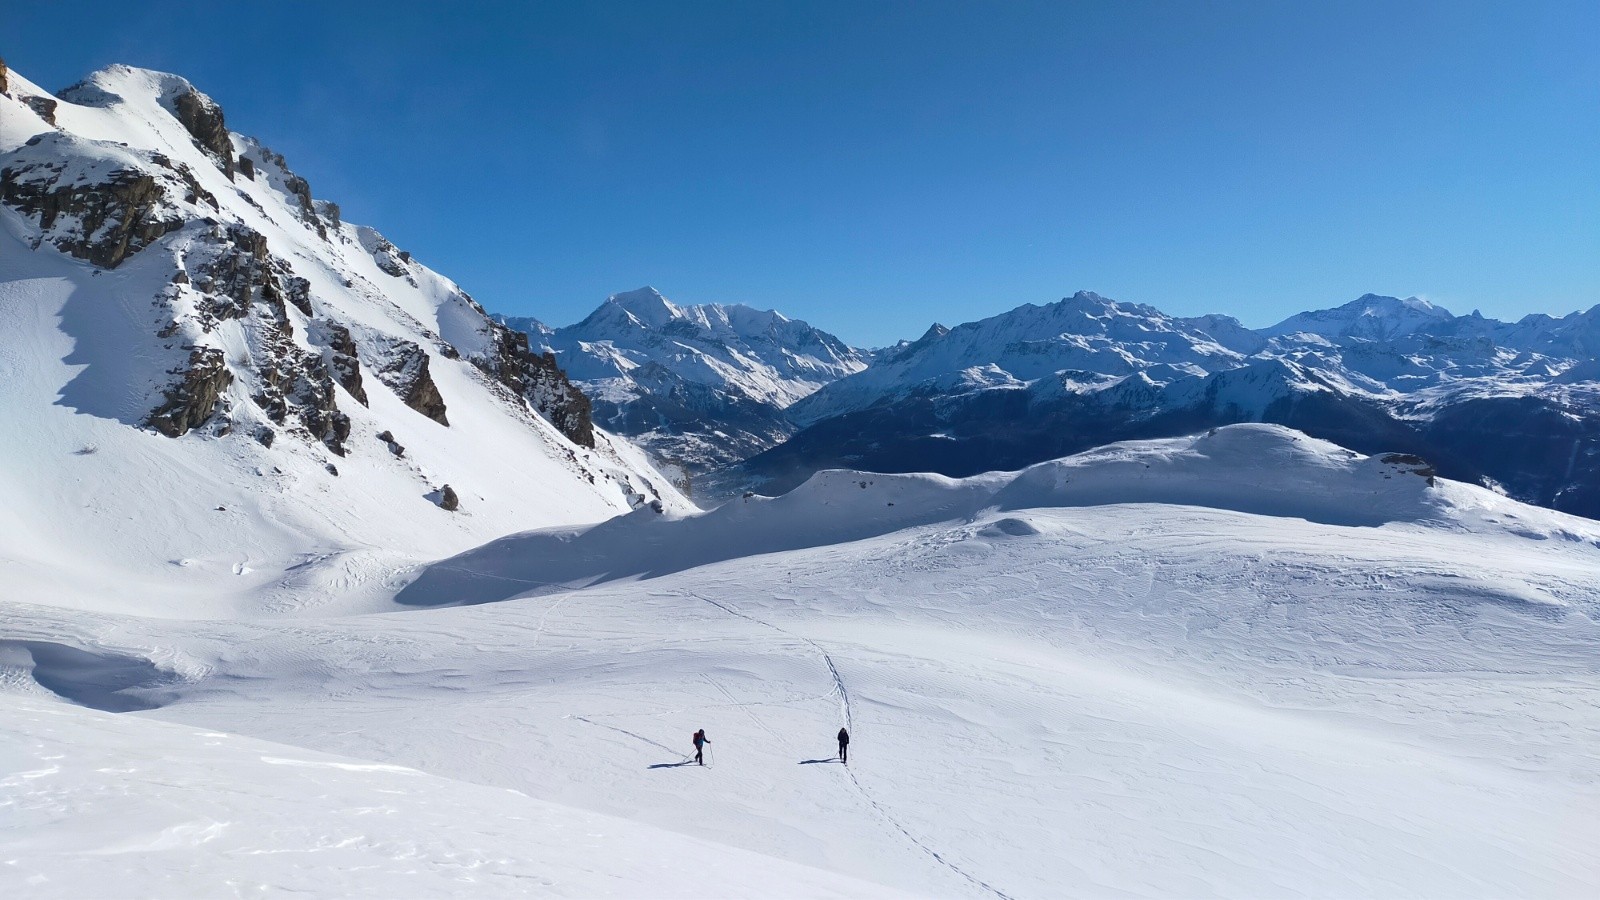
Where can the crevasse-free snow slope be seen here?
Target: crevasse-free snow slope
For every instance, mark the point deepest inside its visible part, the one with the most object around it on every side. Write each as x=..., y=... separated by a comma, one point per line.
x=211, y=382
x=1241, y=663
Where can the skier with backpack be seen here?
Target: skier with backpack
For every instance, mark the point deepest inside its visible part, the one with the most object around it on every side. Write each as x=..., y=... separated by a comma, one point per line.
x=844, y=746
x=700, y=740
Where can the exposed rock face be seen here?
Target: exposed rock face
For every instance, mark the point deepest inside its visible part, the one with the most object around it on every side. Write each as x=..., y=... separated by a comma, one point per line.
x=237, y=267
x=403, y=366
x=279, y=173
x=104, y=220
x=448, y=500
x=202, y=118
x=44, y=106
x=4, y=79
x=343, y=359
x=537, y=378
x=1410, y=462
x=390, y=259
x=194, y=398
x=299, y=385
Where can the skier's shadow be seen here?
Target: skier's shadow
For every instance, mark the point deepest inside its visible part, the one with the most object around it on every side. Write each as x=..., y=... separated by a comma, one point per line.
x=812, y=762
x=687, y=762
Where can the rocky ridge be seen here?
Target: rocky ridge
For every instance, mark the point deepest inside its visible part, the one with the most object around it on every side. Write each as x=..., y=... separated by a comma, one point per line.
x=269, y=314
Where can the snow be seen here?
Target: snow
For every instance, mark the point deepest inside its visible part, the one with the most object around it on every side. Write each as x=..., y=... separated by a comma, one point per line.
x=759, y=354
x=208, y=519
x=1240, y=663
x=1237, y=663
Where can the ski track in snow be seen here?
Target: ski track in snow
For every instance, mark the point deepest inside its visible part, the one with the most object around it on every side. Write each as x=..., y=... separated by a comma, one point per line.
x=1108, y=700
x=846, y=715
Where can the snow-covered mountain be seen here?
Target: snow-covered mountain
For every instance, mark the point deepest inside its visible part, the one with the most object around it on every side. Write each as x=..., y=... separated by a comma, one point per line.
x=700, y=386
x=1368, y=317
x=1515, y=405
x=191, y=341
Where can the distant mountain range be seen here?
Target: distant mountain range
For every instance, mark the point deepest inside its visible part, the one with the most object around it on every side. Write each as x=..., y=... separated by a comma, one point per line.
x=701, y=387
x=1514, y=405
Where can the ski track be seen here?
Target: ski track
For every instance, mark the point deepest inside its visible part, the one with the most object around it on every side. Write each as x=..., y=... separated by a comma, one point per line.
x=846, y=715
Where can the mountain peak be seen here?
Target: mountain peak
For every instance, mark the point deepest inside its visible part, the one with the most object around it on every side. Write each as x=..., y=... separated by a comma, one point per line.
x=119, y=82
x=1368, y=317
x=647, y=305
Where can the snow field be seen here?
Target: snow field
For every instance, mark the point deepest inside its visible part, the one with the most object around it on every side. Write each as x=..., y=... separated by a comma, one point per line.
x=1127, y=699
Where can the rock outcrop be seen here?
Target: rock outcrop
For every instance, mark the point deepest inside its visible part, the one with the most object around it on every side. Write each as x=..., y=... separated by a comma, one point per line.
x=403, y=366
x=194, y=398
x=537, y=378
x=102, y=211
x=202, y=118
x=343, y=359
x=44, y=107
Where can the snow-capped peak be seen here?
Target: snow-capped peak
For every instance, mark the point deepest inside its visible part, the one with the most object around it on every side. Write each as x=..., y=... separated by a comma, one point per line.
x=646, y=305
x=1368, y=317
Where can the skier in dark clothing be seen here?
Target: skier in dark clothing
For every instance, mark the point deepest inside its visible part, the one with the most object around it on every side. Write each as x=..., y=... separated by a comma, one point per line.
x=844, y=746
x=700, y=740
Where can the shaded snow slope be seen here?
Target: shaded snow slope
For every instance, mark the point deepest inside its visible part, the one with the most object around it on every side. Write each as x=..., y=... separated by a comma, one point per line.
x=215, y=386
x=1240, y=664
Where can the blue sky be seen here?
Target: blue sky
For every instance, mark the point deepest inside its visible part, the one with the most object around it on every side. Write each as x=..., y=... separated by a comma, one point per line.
x=872, y=167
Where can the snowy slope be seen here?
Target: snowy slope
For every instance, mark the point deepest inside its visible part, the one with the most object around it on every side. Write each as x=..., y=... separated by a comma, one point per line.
x=1245, y=663
x=701, y=386
x=173, y=810
x=213, y=382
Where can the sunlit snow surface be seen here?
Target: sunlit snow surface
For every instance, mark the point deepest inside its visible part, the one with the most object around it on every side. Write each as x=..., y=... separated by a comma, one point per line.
x=1307, y=673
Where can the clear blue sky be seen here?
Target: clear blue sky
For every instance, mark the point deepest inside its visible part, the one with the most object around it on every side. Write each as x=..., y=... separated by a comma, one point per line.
x=872, y=167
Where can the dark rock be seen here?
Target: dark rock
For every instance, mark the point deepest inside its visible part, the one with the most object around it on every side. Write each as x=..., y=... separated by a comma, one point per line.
x=180, y=277
x=238, y=267
x=45, y=107
x=405, y=370
x=193, y=400
x=390, y=260
x=344, y=362
x=448, y=500
x=538, y=379
x=332, y=469
x=203, y=119
x=394, y=446
x=4, y=77
x=1412, y=463
x=265, y=436
x=301, y=189
x=118, y=217
x=247, y=167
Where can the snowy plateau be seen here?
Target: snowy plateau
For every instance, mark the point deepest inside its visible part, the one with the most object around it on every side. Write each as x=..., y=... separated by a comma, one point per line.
x=251, y=646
